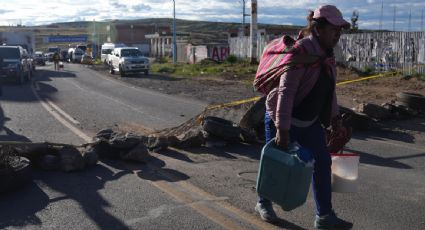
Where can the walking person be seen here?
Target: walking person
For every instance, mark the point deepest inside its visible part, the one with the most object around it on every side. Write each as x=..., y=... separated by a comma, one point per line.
x=303, y=103
x=56, y=58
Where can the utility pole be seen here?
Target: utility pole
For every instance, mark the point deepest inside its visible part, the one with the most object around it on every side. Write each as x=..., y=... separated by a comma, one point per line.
x=410, y=20
x=382, y=14
x=94, y=41
x=174, y=33
x=244, y=14
x=253, y=31
x=394, y=18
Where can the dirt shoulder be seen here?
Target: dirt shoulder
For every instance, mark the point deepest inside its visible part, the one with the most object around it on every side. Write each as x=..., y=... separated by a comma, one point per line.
x=225, y=88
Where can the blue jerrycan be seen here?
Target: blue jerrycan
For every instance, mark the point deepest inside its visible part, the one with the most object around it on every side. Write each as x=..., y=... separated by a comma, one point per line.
x=283, y=177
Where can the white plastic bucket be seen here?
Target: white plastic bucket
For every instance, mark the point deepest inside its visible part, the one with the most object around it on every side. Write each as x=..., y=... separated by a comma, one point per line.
x=345, y=171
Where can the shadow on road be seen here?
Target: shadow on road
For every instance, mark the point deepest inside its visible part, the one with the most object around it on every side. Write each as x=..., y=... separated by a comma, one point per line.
x=83, y=187
x=19, y=209
x=153, y=170
x=366, y=158
x=7, y=134
x=395, y=130
x=23, y=93
x=231, y=152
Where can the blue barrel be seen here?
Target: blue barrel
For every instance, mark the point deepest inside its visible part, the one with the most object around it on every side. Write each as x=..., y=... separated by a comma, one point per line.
x=282, y=177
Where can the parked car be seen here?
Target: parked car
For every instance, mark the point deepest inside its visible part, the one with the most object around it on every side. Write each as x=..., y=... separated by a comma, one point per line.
x=51, y=51
x=128, y=60
x=64, y=55
x=15, y=64
x=38, y=58
x=75, y=55
x=87, y=59
x=107, y=49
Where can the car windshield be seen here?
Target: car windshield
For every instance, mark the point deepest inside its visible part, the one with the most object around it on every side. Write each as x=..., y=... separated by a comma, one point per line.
x=130, y=53
x=9, y=53
x=53, y=50
x=106, y=51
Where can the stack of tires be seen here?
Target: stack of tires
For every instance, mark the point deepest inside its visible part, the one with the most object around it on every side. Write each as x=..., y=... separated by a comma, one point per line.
x=411, y=100
x=221, y=129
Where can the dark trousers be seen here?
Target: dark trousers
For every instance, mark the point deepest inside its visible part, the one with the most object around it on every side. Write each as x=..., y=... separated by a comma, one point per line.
x=312, y=138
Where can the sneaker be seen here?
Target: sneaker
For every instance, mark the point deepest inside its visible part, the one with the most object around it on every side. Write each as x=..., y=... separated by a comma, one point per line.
x=266, y=212
x=331, y=221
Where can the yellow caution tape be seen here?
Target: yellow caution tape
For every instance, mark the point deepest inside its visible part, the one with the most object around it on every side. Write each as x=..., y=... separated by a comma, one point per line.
x=239, y=102
x=390, y=74
x=233, y=103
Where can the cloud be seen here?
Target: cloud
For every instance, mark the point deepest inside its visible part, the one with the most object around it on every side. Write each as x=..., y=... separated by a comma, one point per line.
x=141, y=7
x=5, y=11
x=269, y=11
x=118, y=6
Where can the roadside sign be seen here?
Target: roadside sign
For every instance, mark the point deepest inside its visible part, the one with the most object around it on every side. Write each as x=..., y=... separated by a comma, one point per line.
x=65, y=38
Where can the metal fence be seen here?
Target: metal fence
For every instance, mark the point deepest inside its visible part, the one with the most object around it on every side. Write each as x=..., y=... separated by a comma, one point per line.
x=383, y=51
x=380, y=51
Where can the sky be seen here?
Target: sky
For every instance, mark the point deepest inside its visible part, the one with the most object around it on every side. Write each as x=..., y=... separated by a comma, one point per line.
x=40, y=12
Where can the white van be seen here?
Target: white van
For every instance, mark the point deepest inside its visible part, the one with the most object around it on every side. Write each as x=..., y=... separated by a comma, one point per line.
x=107, y=49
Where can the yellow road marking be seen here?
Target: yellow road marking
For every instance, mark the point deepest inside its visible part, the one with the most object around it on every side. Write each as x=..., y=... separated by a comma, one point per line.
x=62, y=120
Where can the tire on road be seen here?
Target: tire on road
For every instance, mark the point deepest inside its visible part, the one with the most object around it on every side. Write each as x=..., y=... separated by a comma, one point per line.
x=20, y=79
x=254, y=115
x=221, y=128
x=16, y=176
x=122, y=73
x=358, y=121
x=412, y=100
x=111, y=69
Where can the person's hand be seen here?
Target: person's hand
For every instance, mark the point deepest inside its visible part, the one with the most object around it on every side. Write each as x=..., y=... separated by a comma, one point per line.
x=336, y=123
x=282, y=138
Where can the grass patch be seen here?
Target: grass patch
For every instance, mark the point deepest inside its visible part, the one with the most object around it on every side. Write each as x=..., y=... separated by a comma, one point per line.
x=240, y=70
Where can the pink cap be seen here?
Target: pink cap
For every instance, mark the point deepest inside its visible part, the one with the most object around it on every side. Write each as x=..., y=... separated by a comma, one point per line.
x=332, y=14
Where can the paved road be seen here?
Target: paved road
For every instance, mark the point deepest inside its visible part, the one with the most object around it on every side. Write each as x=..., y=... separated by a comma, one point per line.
x=199, y=188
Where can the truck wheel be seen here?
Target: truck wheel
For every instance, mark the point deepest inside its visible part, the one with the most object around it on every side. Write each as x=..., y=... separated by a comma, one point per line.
x=122, y=73
x=28, y=77
x=111, y=69
x=20, y=80
x=146, y=72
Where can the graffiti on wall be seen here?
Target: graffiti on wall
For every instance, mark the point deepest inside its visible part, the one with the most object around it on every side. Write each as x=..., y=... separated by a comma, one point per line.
x=218, y=53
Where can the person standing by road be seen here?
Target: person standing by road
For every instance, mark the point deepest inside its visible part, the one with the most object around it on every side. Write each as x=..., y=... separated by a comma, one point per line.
x=303, y=103
x=56, y=58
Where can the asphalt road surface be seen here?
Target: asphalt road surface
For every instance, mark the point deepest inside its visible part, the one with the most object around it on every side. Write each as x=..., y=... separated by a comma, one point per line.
x=199, y=188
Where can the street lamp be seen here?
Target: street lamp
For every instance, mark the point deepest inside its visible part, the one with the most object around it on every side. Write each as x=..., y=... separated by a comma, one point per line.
x=174, y=33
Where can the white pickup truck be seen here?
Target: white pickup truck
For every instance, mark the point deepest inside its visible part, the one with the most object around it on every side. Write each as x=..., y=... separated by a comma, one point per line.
x=127, y=60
